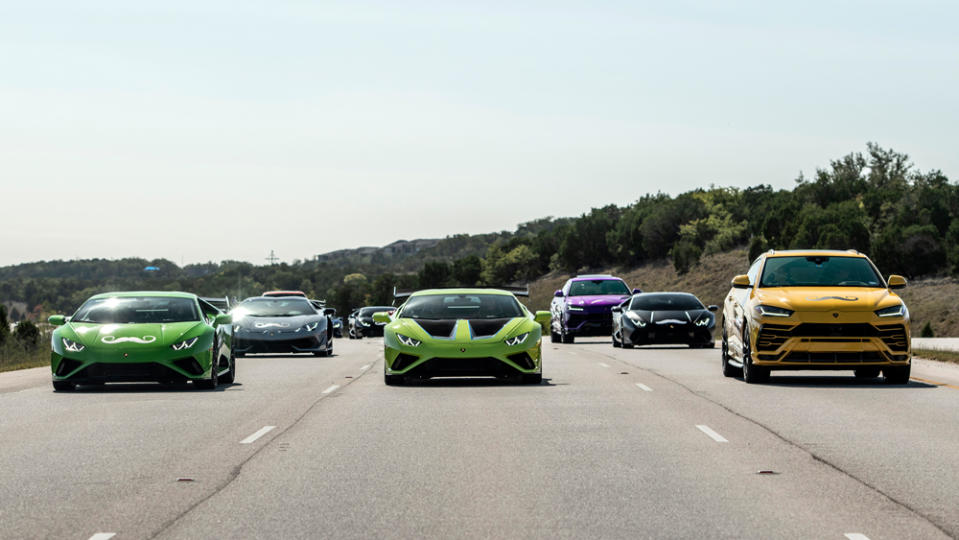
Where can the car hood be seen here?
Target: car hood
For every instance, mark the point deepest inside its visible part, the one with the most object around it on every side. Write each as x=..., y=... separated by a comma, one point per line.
x=828, y=298
x=597, y=301
x=106, y=335
x=277, y=323
x=664, y=317
x=458, y=329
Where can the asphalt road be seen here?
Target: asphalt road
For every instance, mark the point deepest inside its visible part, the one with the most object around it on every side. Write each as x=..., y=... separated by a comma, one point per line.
x=643, y=443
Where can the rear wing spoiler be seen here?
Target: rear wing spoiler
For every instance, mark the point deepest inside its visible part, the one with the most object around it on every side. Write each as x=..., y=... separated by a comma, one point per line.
x=516, y=290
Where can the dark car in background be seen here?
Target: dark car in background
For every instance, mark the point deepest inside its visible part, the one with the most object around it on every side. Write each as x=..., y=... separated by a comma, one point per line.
x=287, y=324
x=583, y=306
x=220, y=302
x=663, y=318
x=362, y=323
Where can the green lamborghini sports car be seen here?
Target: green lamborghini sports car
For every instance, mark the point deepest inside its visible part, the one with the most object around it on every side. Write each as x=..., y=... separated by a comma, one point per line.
x=463, y=333
x=165, y=337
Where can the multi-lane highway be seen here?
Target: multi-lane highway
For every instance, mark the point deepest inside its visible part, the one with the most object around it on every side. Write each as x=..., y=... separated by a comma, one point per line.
x=643, y=443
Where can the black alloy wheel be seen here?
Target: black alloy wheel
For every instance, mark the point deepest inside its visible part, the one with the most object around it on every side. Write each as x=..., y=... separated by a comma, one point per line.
x=728, y=369
x=752, y=374
x=210, y=384
x=230, y=375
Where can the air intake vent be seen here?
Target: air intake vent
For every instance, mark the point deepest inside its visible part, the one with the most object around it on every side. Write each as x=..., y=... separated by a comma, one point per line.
x=440, y=328
x=487, y=327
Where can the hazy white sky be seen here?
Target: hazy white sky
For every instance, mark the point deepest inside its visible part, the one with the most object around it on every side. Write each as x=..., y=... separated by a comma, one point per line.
x=216, y=130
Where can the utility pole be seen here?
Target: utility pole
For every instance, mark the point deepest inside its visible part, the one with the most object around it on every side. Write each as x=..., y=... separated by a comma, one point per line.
x=272, y=258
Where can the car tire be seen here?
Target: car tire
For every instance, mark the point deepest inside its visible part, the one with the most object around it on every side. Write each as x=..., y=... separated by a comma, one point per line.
x=64, y=386
x=752, y=374
x=626, y=345
x=866, y=373
x=728, y=369
x=231, y=374
x=553, y=336
x=567, y=338
x=532, y=378
x=393, y=380
x=896, y=374
x=209, y=384
x=616, y=343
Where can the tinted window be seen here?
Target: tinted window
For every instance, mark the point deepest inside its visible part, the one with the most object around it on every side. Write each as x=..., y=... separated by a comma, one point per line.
x=818, y=271
x=137, y=310
x=666, y=302
x=462, y=306
x=288, y=306
x=598, y=287
x=369, y=311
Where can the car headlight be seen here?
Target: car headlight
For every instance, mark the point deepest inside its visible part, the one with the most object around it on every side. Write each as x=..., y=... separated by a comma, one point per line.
x=236, y=328
x=773, y=311
x=703, y=322
x=574, y=308
x=633, y=316
x=893, y=311
x=185, y=344
x=311, y=326
x=364, y=323
x=72, y=346
x=337, y=324
x=516, y=340
x=408, y=341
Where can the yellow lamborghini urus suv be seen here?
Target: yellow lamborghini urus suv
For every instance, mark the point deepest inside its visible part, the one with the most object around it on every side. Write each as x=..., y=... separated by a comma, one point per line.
x=815, y=309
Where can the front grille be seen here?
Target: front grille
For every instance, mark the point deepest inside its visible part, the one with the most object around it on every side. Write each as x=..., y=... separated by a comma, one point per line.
x=463, y=367
x=773, y=336
x=66, y=366
x=134, y=372
x=403, y=361
x=834, y=357
x=522, y=360
x=282, y=346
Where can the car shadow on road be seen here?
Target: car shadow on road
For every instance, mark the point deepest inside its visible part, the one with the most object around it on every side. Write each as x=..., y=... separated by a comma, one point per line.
x=460, y=382
x=150, y=388
x=835, y=381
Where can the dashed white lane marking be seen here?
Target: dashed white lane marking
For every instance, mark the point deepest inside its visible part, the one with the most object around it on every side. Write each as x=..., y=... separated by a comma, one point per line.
x=856, y=536
x=103, y=536
x=643, y=387
x=365, y=367
x=601, y=364
x=259, y=433
x=330, y=389
x=712, y=434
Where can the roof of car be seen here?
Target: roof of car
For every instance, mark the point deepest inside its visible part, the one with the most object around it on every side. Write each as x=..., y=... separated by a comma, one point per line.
x=284, y=293
x=474, y=290
x=129, y=294
x=814, y=252
x=589, y=277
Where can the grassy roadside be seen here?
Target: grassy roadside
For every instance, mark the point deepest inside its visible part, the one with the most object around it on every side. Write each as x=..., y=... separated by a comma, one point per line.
x=941, y=356
x=13, y=357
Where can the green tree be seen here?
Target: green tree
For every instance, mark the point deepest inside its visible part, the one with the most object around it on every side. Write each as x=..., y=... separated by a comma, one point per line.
x=4, y=325
x=27, y=334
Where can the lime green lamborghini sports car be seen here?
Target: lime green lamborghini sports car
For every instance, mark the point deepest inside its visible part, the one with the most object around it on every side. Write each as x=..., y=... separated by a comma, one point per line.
x=164, y=337
x=463, y=333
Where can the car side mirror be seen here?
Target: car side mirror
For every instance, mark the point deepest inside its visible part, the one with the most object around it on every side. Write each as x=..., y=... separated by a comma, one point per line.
x=637, y=291
x=57, y=320
x=543, y=318
x=712, y=307
x=558, y=293
x=896, y=281
x=222, y=318
x=617, y=309
x=381, y=316
x=329, y=312
x=740, y=282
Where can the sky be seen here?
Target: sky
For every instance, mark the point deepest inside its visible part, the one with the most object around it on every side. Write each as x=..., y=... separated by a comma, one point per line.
x=209, y=130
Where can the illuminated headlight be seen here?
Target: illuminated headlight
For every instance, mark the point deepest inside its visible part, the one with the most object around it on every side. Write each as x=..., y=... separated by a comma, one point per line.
x=185, y=344
x=362, y=322
x=574, y=308
x=337, y=324
x=637, y=320
x=311, y=326
x=703, y=322
x=773, y=311
x=516, y=340
x=408, y=341
x=893, y=311
x=72, y=346
x=236, y=328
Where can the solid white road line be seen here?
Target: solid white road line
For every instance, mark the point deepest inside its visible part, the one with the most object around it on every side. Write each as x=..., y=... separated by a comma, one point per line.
x=712, y=434
x=330, y=389
x=260, y=432
x=644, y=387
x=603, y=365
x=856, y=536
x=103, y=536
x=364, y=368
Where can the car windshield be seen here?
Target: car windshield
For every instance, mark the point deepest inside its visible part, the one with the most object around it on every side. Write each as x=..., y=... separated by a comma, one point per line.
x=595, y=287
x=289, y=306
x=370, y=310
x=819, y=271
x=137, y=310
x=462, y=306
x=665, y=302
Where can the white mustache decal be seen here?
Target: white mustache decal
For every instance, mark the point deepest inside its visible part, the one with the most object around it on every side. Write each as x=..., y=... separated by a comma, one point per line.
x=841, y=298
x=113, y=339
x=271, y=325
